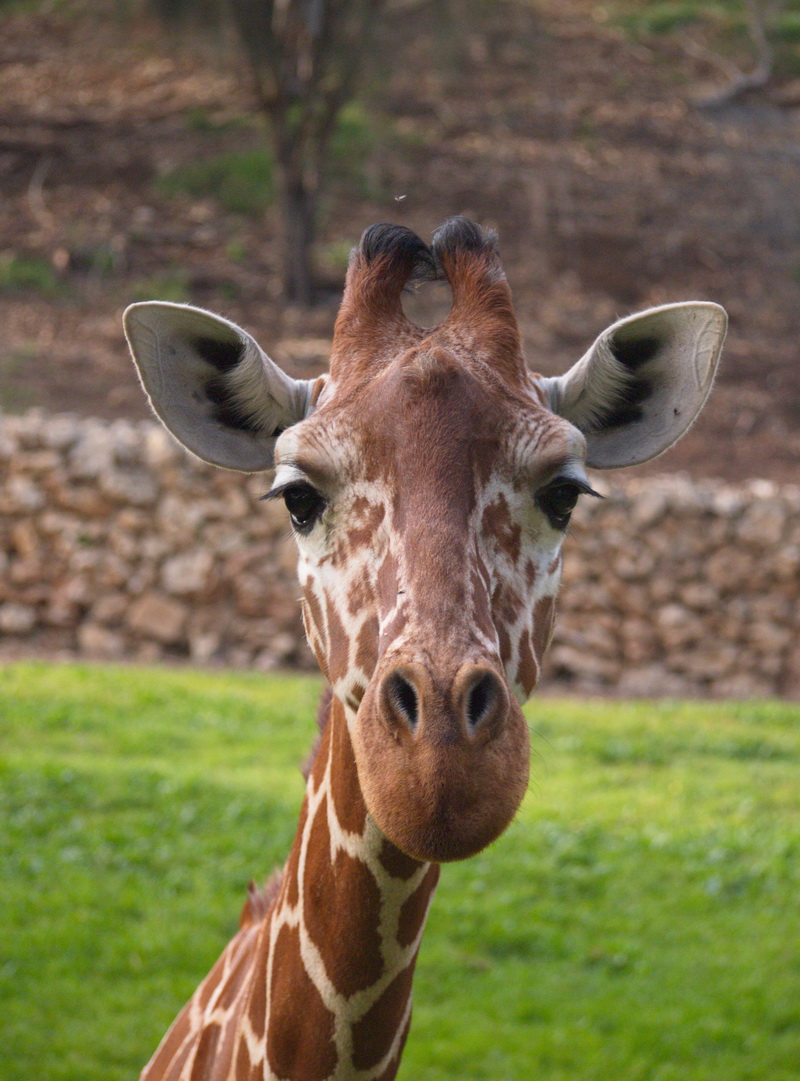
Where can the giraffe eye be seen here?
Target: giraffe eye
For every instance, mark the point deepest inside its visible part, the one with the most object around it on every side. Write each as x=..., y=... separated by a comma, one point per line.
x=305, y=506
x=558, y=502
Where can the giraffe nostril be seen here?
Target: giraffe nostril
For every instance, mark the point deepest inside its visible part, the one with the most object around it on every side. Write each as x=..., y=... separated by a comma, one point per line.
x=480, y=699
x=404, y=698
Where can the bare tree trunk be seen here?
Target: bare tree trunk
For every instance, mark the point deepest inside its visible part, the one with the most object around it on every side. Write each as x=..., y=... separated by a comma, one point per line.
x=301, y=153
x=303, y=56
x=299, y=212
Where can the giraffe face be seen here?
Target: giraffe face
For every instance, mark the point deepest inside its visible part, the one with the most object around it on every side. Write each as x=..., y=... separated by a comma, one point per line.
x=430, y=479
x=430, y=506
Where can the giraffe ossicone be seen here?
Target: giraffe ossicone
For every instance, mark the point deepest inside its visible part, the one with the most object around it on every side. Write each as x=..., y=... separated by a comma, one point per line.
x=429, y=478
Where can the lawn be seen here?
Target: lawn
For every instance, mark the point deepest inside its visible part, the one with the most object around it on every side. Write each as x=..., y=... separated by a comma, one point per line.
x=640, y=921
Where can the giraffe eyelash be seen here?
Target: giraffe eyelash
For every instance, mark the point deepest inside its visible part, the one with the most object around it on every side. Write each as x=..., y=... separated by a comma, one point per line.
x=276, y=493
x=559, y=498
x=303, y=502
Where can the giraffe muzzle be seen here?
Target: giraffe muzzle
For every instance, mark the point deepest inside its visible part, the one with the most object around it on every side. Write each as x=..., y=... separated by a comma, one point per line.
x=442, y=757
x=415, y=704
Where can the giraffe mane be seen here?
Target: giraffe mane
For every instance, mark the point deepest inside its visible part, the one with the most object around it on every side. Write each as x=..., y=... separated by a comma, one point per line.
x=259, y=900
x=323, y=716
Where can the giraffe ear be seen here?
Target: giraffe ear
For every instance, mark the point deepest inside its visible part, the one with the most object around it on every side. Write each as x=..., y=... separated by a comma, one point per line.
x=642, y=383
x=211, y=385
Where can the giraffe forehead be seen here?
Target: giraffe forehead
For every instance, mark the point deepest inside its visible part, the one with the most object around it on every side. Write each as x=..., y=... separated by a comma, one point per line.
x=429, y=414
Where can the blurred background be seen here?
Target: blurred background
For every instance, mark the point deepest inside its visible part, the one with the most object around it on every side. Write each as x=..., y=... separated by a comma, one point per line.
x=146, y=152
x=229, y=154
x=639, y=920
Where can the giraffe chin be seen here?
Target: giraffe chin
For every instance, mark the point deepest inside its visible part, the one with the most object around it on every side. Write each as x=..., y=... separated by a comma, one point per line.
x=441, y=797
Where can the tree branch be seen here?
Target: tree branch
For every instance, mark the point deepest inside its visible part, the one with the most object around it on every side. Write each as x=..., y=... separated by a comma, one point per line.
x=740, y=81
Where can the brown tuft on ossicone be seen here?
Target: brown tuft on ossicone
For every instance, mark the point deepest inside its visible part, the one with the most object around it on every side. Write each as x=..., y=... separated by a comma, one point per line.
x=482, y=315
x=371, y=319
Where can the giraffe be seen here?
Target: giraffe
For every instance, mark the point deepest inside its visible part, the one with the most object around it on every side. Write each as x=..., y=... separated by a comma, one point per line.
x=429, y=477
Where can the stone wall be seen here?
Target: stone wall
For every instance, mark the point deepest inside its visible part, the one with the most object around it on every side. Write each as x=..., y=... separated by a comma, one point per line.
x=116, y=544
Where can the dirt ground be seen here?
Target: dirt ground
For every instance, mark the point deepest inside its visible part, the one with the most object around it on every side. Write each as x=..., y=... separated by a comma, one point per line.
x=583, y=146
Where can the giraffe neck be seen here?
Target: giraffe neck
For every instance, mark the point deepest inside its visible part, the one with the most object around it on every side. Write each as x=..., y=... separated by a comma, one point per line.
x=318, y=986
x=345, y=932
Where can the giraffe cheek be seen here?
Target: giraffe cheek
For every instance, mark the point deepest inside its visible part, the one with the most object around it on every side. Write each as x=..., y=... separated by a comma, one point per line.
x=366, y=654
x=544, y=621
x=338, y=644
x=315, y=629
x=528, y=666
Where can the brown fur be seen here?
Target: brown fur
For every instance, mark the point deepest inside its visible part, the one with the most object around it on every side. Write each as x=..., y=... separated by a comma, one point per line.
x=300, y=1039
x=385, y=1016
x=259, y=901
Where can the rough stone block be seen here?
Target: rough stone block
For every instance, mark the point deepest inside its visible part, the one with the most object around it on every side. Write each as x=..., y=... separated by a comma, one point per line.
x=98, y=641
x=17, y=618
x=156, y=616
x=187, y=573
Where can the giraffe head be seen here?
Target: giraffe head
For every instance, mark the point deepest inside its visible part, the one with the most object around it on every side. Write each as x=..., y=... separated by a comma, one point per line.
x=429, y=478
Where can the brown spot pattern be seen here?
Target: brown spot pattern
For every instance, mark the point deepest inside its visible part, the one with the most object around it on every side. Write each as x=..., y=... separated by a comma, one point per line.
x=171, y=1045
x=236, y=977
x=314, y=624
x=391, y=1070
x=355, y=696
x=359, y=596
x=415, y=907
x=224, y=1054
x=300, y=1043
x=543, y=620
x=243, y=1064
x=332, y=892
x=257, y=1006
x=480, y=605
x=367, y=647
x=338, y=644
x=206, y=1051
x=177, y=1066
x=369, y=516
x=505, y=644
x=528, y=669
x=397, y=863
x=373, y=1034
x=498, y=523
x=210, y=983
x=291, y=871
x=506, y=604
x=348, y=800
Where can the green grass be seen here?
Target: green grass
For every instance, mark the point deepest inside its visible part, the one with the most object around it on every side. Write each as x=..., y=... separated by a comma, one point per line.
x=638, y=922
x=662, y=16
x=725, y=22
x=243, y=181
x=17, y=395
x=15, y=7
x=171, y=284
x=787, y=26
x=28, y=274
